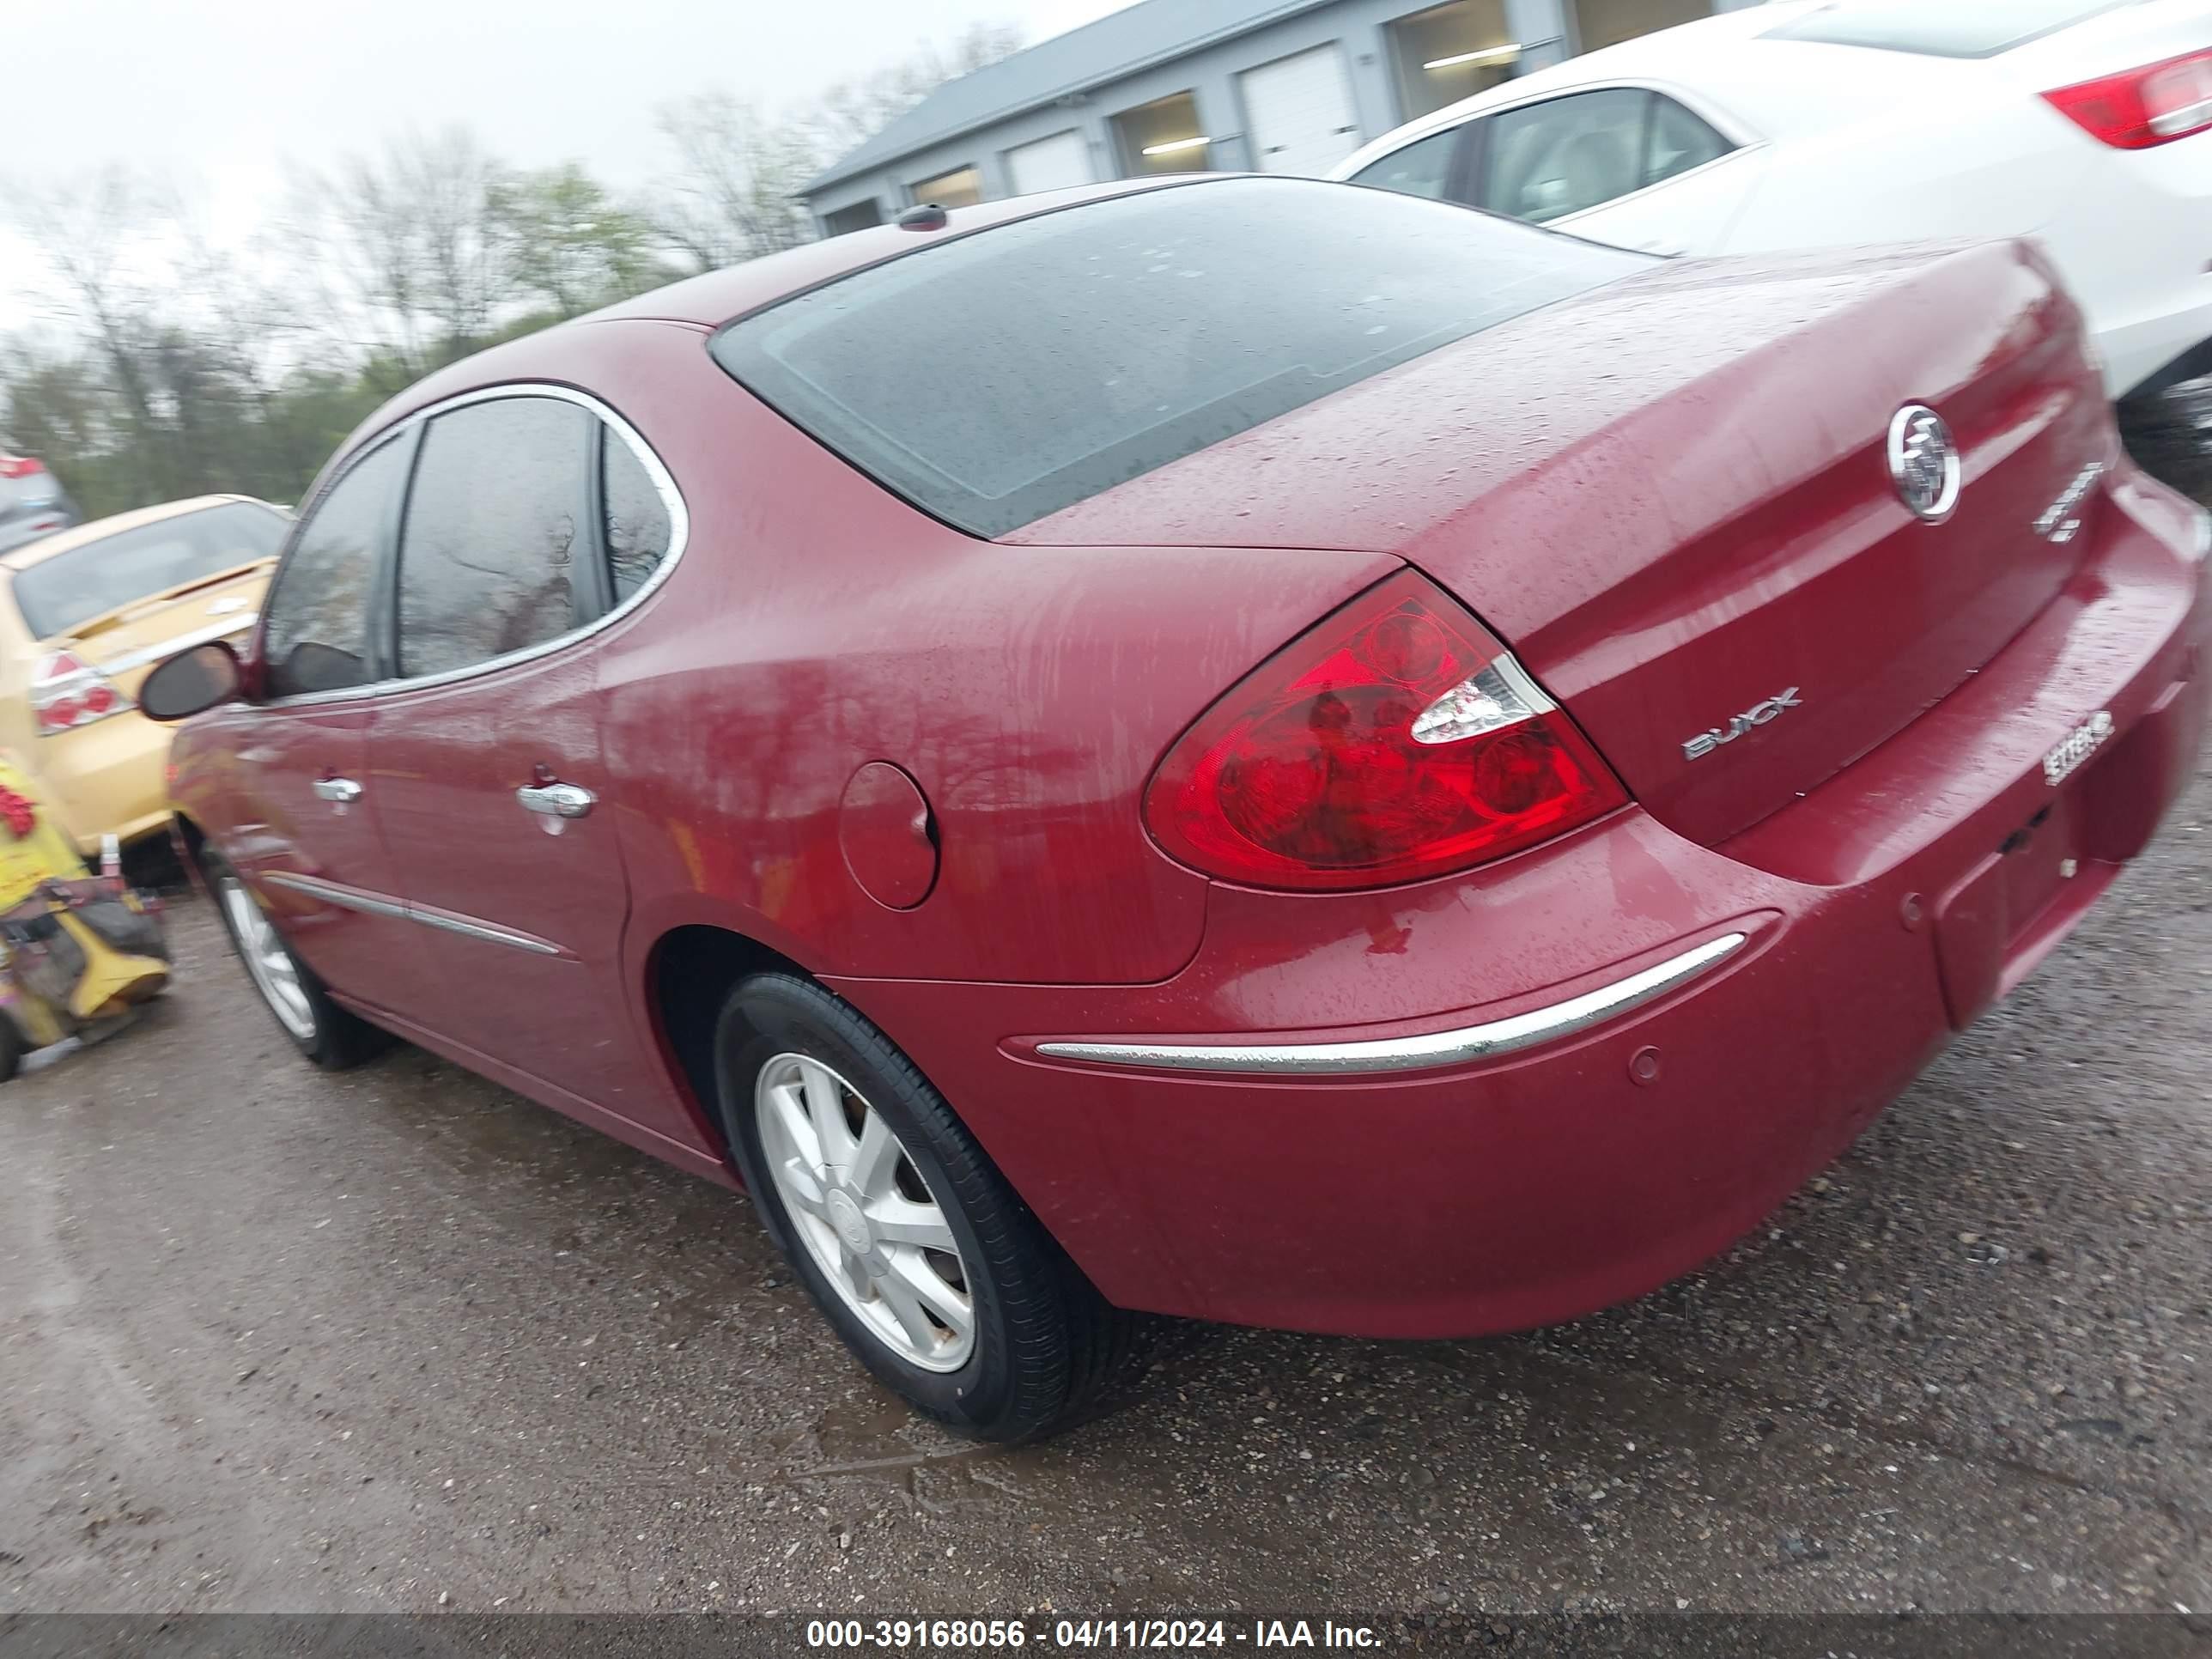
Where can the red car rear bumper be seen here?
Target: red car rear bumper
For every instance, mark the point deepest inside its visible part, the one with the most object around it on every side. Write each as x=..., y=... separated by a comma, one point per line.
x=1878, y=915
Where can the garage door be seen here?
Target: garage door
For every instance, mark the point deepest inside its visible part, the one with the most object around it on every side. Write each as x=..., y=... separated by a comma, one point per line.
x=1051, y=163
x=1300, y=112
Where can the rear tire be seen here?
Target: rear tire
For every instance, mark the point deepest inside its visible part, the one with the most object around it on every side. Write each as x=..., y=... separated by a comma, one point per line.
x=2169, y=435
x=330, y=1036
x=1014, y=1342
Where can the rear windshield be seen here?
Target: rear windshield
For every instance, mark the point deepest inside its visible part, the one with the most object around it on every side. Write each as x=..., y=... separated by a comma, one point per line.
x=61, y=593
x=998, y=376
x=1943, y=28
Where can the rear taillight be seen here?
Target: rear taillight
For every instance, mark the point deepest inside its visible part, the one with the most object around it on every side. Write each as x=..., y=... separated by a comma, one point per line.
x=67, y=692
x=18, y=466
x=2143, y=107
x=1395, y=740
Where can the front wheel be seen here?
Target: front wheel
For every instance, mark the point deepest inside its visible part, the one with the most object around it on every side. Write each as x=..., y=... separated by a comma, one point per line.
x=931, y=1269
x=326, y=1033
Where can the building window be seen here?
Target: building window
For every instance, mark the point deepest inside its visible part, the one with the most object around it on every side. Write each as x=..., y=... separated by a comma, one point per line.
x=858, y=216
x=961, y=187
x=1608, y=22
x=1453, y=52
x=1162, y=136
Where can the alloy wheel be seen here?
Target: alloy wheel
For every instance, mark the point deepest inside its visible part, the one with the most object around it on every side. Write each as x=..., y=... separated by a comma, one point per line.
x=274, y=975
x=864, y=1212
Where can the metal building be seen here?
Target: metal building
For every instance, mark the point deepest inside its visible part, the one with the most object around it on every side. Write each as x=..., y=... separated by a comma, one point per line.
x=1177, y=86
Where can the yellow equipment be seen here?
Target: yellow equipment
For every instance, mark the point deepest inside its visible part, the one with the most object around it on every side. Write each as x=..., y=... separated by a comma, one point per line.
x=77, y=951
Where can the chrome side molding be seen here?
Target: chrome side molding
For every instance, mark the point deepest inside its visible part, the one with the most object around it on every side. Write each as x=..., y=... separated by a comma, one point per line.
x=348, y=898
x=1409, y=1053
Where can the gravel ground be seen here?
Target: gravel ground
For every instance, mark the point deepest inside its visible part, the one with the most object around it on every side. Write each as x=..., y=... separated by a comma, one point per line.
x=397, y=1340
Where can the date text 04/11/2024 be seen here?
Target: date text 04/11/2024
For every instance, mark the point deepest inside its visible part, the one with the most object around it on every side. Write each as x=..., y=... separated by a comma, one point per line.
x=996, y=1634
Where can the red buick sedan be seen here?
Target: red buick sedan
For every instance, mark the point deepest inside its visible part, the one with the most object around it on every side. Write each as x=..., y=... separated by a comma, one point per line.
x=1236, y=747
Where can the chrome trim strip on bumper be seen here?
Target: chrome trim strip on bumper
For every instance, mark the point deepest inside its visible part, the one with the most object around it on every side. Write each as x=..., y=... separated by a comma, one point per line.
x=1431, y=1049
x=347, y=898
x=168, y=649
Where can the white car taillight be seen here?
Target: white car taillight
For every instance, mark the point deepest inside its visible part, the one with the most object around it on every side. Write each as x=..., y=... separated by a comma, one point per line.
x=2143, y=107
x=67, y=692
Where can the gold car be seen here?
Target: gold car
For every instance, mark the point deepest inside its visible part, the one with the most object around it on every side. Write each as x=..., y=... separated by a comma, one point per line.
x=87, y=612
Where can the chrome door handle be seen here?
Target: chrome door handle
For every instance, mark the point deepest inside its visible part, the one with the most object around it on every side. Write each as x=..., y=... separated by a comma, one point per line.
x=340, y=790
x=556, y=800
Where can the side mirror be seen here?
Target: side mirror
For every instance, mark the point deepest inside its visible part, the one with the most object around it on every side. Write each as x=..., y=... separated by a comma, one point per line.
x=191, y=683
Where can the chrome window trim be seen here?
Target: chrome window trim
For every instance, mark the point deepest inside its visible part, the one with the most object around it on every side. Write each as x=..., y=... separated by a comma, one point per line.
x=373, y=904
x=1722, y=121
x=1430, y=1050
x=168, y=649
x=663, y=482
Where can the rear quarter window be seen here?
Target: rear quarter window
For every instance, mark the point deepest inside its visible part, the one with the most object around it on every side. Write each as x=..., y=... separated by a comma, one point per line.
x=998, y=376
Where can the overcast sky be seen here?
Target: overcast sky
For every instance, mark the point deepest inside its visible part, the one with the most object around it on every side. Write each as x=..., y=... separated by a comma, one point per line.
x=223, y=95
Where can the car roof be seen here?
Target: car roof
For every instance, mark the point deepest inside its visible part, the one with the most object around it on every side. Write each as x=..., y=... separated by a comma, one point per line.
x=61, y=541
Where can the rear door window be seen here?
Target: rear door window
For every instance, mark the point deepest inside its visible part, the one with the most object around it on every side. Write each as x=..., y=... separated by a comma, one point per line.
x=315, y=630
x=1096, y=342
x=492, y=551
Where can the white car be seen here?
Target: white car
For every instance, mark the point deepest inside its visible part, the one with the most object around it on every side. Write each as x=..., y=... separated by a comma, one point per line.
x=2085, y=123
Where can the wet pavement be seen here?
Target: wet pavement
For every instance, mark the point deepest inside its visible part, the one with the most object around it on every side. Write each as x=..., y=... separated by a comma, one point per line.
x=397, y=1339
x=274, y=1339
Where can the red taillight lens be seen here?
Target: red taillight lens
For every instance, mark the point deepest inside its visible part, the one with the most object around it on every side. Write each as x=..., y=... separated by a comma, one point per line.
x=66, y=691
x=2143, y=107
x=18, y=466
x=1395, y=740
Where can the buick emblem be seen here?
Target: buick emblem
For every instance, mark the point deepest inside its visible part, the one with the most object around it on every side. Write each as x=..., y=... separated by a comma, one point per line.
x=1923, y=462
x=1759, y=713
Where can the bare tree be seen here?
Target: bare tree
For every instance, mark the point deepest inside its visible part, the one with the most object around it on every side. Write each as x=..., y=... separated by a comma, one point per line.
x=170, y=362
x=405, y=252
x=852, y=111
x=164, y=345
x=167, y=365
x=96, y=239
x=735, y=196
x=740, y=170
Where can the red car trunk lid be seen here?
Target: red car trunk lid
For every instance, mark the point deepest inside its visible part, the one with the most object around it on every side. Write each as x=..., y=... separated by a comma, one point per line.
x=1672, y=497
